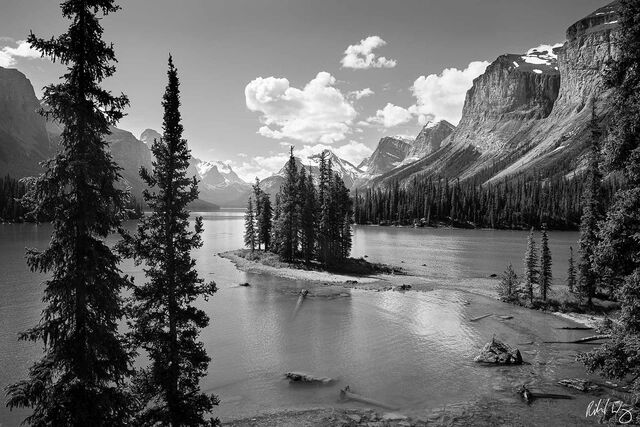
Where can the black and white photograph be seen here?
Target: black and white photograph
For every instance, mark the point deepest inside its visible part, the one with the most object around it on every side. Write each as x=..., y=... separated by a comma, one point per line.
x=296, y=213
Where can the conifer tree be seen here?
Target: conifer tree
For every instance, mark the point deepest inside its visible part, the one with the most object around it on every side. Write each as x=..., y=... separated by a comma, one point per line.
x=618, y=358
x=276, y=240
x=545, y=264
x=531, y=273
x=165, y=321
x=80, y=379
x=257, y=196
x=264, y=221
x=250, y=227
x=308, y=217
x=571, y=272
x=508, y=288
x=591, y=214
x=324, y=215
x=288, y=216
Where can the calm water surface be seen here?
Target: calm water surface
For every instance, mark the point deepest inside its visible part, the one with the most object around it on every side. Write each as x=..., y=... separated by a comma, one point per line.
x=411, y=350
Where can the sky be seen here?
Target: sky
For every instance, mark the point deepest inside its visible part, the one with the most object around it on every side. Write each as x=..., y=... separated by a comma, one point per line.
x=259, y=76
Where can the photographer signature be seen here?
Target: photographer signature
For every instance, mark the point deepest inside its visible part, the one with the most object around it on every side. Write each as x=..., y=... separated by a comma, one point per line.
x=604, y=407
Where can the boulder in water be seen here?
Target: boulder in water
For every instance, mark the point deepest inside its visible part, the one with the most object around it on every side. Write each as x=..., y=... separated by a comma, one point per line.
x=498, y=353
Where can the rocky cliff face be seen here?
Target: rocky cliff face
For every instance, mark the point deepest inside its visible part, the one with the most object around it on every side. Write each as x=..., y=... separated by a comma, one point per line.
x=528, y=111
x=149, y=135
x=23, y=135
x=220, y=184
x=389, y=153
x=130, y=154
x=429, y=140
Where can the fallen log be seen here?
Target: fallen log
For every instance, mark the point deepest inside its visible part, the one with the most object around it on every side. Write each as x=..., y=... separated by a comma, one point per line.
x=301, y=377
x=529, y=396
x=579, y=384
x=581, y=340
x=475, y=319
x=347, y=394
x=245, y=284
x=575, y=328
x=303, y=294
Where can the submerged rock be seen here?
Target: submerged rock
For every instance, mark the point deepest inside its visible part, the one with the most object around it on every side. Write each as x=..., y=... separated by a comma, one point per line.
x=245, y=284
x=402, y=288
x=498, y=353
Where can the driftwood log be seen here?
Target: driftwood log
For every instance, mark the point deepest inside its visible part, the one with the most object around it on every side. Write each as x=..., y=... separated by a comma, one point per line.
x=581, y=340
x=347, y=394
x=301, y=377
x=579, y=384
x=475, y=319
x=529, y=396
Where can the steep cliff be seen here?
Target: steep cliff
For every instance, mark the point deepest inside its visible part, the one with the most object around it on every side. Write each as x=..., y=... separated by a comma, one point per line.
x=390, y=152
x=23, y=135
x=130, y=154
x=429, y=140
x=527, y=112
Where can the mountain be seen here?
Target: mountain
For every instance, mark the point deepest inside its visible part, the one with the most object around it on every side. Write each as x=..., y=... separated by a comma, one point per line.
x=344, y=169
x=527, y=112
x=390, y=152
x=130, y=154
x=24, y=141
x=149, y=135
x=220, y=184
x=429, y=140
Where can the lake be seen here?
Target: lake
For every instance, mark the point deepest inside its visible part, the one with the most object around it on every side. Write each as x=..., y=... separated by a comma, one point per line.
x=411, y=350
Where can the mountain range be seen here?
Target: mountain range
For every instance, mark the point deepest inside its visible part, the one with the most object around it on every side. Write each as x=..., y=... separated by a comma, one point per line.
x=528, y=112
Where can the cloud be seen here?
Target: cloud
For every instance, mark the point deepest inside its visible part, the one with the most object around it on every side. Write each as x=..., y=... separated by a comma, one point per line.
x=9, y=54
x=319, y=112
x=361, y=57
x=391, y=115
x=265, y=166
x=358, y=94
x=442, y=96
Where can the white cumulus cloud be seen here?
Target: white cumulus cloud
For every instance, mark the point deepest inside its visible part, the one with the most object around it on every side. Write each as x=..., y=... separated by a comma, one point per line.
x=319, y=112
x=441, y=96
x=358, y=94
x=391, y=115
x=361, y=57
x=23, y=49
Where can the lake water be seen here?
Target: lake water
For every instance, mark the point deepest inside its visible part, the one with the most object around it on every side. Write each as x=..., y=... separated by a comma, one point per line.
x=411, y=350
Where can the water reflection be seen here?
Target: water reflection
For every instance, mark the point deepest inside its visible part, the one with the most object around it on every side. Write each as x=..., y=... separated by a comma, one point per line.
x=406, y=349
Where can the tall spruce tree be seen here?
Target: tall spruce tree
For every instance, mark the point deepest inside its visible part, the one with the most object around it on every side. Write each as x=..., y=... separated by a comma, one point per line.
x=264, y=221
x=165, y=321
x=531, y=272
x=289, y=208
x=250, y=226
x=571, y=272
x=508, y=287
x=591, y=214
x=546, y=276
x=257, y=197
x=325, y=213
x=619, y=358
x=309, y=217
x=80, y=379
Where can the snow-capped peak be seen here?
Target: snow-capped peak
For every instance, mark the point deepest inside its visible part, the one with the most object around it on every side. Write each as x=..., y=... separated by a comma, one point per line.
x=543, y=54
